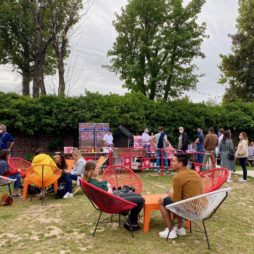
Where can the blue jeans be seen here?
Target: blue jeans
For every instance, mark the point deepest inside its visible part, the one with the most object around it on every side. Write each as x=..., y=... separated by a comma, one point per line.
x=69, y=178
x=146, y=147
x=159, y=153
x=17, y=182
x=200, y=156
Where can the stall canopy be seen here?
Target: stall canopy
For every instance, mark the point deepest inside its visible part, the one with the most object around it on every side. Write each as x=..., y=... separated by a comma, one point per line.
x=122, y=137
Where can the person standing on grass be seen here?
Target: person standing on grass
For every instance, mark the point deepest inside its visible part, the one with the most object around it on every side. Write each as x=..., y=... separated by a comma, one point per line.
x=227, y=147
x=6, y=140
x=182, y=140
x=242, y=154
x=145, y=140
x=162, y=143
x=210, y=143
x=200, y=145
x=186, y=183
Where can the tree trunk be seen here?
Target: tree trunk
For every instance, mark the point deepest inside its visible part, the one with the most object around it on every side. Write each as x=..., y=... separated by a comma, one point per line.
x=39, y=55
x=26, y=79
x=152, y=90
x=61, y=85
x=169, y=79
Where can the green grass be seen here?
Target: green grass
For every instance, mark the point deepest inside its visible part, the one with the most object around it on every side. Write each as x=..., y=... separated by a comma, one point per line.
x=65, y=226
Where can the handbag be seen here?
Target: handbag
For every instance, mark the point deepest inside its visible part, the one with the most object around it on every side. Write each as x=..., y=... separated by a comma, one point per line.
x=231, y=156
x=6, y=200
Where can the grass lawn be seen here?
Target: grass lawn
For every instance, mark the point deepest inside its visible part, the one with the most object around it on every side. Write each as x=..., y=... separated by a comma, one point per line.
x=65, y=226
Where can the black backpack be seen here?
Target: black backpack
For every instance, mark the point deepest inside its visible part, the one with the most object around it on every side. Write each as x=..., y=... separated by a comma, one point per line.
x=61, y=190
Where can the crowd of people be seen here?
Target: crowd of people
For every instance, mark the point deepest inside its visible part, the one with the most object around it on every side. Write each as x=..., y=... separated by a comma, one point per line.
x=208, y=146
x=186, y=182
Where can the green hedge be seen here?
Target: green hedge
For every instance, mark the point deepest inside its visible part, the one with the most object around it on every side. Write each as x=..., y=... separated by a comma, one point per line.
x=58, y=115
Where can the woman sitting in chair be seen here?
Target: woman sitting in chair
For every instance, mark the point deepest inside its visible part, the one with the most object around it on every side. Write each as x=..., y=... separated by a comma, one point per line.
x=91, y=174
x=77, y=171
x=61, y=164
x=5, y=171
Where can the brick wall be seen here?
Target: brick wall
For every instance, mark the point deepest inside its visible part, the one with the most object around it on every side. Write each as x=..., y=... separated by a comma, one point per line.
x=28, y=144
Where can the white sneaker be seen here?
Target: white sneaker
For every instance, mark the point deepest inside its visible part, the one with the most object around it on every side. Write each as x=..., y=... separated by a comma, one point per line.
x=242, y=180
x=172, y=234
x=165, y=231
x=180, y=231
x=68, y=195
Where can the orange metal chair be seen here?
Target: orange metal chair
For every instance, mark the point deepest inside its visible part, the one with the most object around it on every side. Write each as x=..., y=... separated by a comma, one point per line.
x=70, y=164
x=41, y=175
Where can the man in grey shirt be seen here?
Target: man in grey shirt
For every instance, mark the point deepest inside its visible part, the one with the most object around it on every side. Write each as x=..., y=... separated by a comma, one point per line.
x=161, y=142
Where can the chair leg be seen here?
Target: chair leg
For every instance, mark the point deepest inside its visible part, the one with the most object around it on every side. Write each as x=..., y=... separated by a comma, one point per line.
x=55, y=186
x=25, y=188
x=9, y=187
x=206, y=235
x=97, y=223
x=190, y=227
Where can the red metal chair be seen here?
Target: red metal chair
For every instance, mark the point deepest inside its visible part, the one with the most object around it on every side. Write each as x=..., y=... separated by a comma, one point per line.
x=119, y=176
x=18, y=165
x=105, y=202
x=214, y=178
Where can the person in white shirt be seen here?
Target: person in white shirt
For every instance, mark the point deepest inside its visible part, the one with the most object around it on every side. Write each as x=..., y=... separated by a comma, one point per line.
x=145, y=140
x=108, y=139
x=77, y=171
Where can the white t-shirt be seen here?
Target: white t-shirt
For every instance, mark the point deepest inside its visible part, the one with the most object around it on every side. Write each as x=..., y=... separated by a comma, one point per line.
x=108, y=138
x=145, y=139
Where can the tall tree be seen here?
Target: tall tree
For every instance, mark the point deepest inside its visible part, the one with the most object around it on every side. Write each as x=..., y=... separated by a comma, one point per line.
x=64, y=15
x=34, y=38
x=15, y=39
x=237, y=67
x=156, y=44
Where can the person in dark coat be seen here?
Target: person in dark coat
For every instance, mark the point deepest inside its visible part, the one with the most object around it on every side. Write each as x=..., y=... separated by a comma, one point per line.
x=183, y=140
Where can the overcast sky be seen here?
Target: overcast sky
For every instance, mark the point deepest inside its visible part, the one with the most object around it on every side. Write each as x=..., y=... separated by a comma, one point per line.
x=95, y=35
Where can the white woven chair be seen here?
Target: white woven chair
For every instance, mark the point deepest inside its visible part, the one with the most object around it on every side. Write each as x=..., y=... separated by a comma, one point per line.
x=6, y=181
x=200, y=208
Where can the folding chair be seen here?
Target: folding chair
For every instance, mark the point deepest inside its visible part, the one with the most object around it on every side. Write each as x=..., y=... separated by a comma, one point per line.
x=6, y=181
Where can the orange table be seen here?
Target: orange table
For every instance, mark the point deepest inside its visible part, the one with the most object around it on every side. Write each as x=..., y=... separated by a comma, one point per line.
x=151, y=204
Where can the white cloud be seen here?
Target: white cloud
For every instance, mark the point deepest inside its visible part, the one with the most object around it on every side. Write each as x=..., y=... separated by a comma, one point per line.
x=95, y=36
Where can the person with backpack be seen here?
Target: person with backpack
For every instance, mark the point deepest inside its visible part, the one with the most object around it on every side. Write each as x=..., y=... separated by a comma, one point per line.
x=161, y=142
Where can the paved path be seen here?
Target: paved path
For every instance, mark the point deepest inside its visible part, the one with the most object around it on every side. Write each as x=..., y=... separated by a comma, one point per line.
x=249, y=173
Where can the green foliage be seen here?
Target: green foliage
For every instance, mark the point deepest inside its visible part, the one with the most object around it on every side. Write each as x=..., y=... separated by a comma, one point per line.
x=58, y=115
x=34, y=37
x=237, y=67
x=156, y=43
